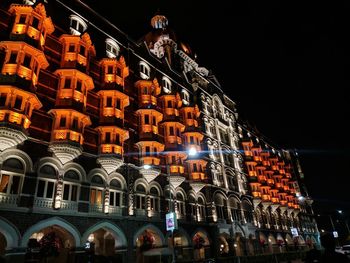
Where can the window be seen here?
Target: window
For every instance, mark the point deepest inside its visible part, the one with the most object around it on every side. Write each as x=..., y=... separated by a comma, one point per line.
x=96, y=191
x=45, y=189
x=144, y=70
x=75, y=123
x=26, y=61
x=10, y=184
x=140, y=197
x=63, y=121
x=109, y=102
x=166, y=83
x=115, y=194
x=118, y=104
x=3, y=97
x=13, y=57
x=154, y=121
x=18, y=102
x=35, y=22
x=79, y=85
x=201, y=208
x=71, y=48
x=180, y=205
x=170, y=104
x=108, y=137
x=22, y=19
x=110, y=70
x=82, y=50
x=146, y=119
x=112, y=48
x=185, y=97
x=154, y=198
x=67, y=83
x=119, y=72
x=148, y=151
x=171, y=131
x=77, y=25
x=70, y=192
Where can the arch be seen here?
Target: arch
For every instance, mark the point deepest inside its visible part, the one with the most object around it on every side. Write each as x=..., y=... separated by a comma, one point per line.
x=182, y=192
x=201, y=195
x=153, y=229
x=10, y=233
x=97, y=171
x=143, y=182
x=51, y=222
x=202, y=233
x=78, y=168
x=289, y=239
x=19, y=155
x=262, y=238
x=119, y=177
x=186, y=242
x=119, y=234
x=233, y=202
x=50, y=161
x=79, y=21
x=112, y=48
x=219, y=197
x=156, y=185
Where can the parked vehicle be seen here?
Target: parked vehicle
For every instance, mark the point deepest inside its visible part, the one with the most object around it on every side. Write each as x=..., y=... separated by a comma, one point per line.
x=344, y=249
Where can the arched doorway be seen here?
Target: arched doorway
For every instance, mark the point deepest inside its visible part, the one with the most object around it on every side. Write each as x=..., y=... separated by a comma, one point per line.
x=272, y=244
x=53, y=242
x=147, y=239
x=201, y=244
x=239, y=244
x=263, y=242
x=106, y=240
x=182, y=241
x=3, y=244
x=224, y=244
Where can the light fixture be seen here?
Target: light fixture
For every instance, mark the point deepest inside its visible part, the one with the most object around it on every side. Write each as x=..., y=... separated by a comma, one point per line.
x=146, y=166
x=340, y=211
x=192, y=152
x=91, y=238
x=235, y=245
x=39, y=236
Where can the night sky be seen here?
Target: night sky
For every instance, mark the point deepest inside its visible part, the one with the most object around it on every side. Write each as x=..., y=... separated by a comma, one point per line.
x=284, y=63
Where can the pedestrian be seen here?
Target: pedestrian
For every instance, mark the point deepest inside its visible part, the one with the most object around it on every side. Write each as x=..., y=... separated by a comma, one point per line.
x=330, y=255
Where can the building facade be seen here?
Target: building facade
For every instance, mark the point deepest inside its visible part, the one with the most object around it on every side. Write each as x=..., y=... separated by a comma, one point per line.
x=102, y=136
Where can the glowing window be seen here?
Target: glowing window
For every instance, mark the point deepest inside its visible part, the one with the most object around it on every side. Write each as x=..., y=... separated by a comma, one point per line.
x=145, y=70
x=77, y=25
x=112, y=48
x=185, y=97
x=166, y=83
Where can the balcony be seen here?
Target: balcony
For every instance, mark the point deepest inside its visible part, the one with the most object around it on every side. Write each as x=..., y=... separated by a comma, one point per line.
x=115, y=211
x=43, y=203
x=147, y=99
x=198, y=176
x=111, y=149
x=67, y=135
x=96, y=208
x=150, y=160
x=69, y=206
x=8, y=200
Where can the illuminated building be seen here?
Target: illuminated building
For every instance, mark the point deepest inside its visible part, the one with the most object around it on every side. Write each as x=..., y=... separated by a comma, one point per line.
x=100, y=136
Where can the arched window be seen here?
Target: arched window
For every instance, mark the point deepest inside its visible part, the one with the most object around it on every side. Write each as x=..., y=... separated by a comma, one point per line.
x=247, y=211
x=77, y=25
x=145, y=70
x=235, y=211
x=71, y=186
x=11, y=176
x=192, y=204
x=115, y=193
x=166, y=84
x=46, y=183
x=201, y=208
x=97, y=193
x=140, y=196
x=112, y=48
x=219, y=204
x=185, y=97
x=181, y=208
x=154, y=196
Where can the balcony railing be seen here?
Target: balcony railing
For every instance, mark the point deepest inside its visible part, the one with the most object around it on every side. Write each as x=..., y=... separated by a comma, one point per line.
x=96, y=208
x=8, y=199
x=46, y=203
x=69, y=205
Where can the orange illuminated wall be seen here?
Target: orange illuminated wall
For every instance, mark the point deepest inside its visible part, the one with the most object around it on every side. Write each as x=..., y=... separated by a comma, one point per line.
x=76, y=50
x=114, y=71
x=23, y=60
x=16, y=105
x=32, y=22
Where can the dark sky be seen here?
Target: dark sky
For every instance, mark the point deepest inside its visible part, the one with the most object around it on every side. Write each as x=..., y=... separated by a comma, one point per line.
x=285, y=63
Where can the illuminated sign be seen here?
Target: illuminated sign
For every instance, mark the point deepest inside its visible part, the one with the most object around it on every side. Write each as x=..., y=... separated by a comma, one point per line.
x=171, y=221
x=294, y=232
x=335, y=234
